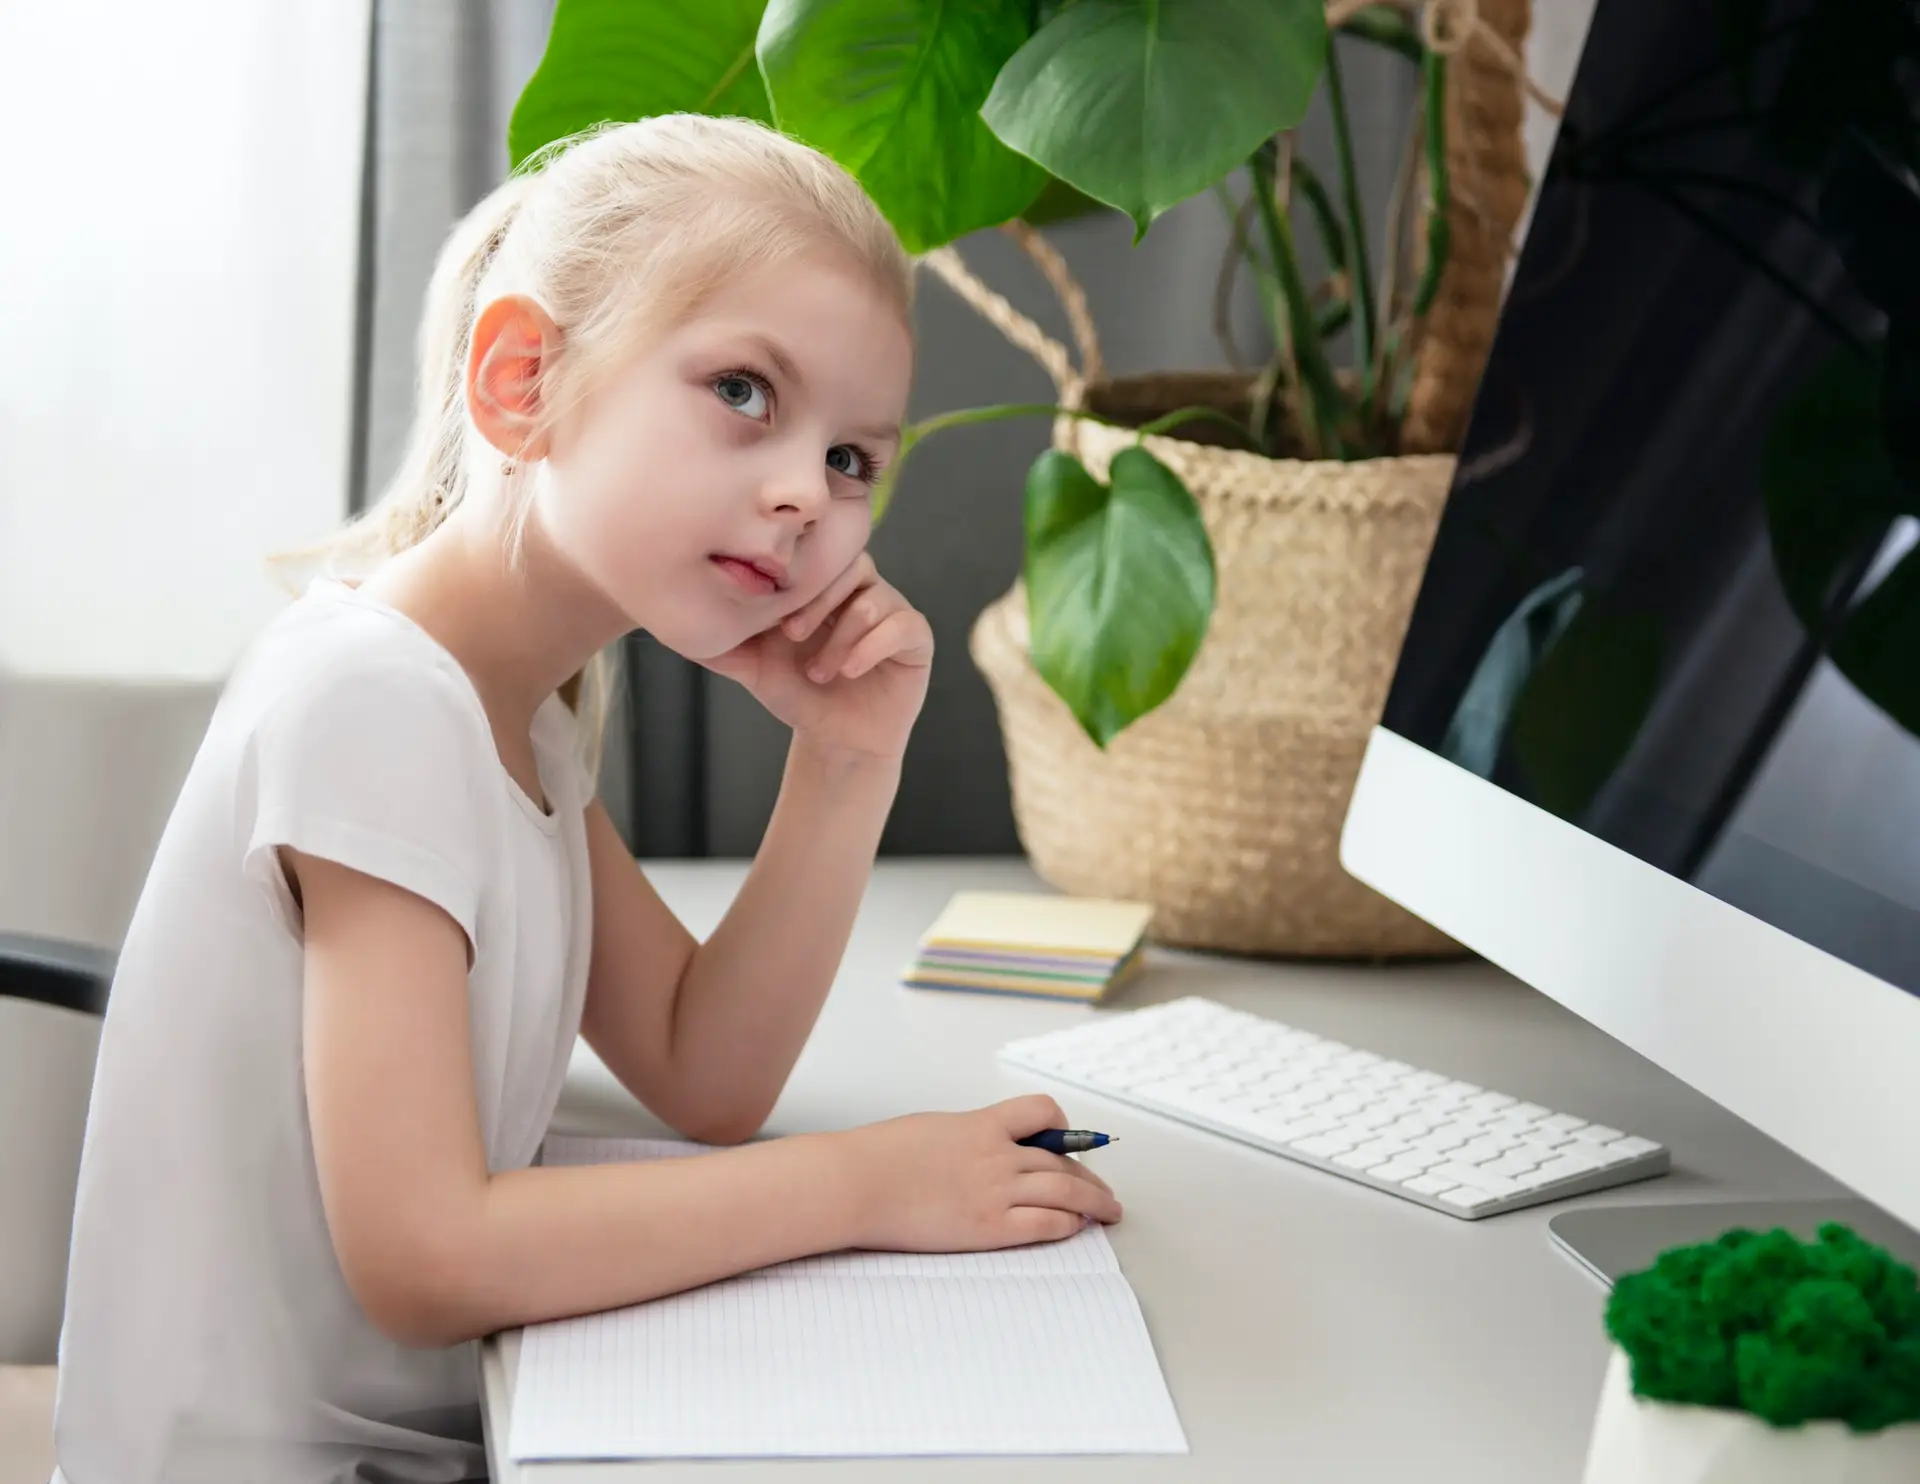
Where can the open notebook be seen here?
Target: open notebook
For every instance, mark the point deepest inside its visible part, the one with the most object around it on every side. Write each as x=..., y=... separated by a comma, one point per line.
x=1036, y=1350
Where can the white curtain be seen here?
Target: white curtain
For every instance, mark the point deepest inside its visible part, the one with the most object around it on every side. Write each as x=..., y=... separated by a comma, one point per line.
x=178, y=250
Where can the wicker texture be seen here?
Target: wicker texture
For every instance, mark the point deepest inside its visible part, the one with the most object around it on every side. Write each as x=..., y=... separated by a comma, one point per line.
x=1487, y=165
x=1223, y=808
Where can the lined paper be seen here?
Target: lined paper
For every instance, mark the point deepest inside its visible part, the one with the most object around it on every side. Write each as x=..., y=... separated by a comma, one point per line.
x=1033, y=1350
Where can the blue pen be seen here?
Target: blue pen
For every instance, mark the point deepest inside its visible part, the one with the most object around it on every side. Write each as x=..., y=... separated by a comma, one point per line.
x=1064, y=1140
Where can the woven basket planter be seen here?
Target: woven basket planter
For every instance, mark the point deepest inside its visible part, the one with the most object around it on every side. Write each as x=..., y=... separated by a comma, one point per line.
x=1223, y=808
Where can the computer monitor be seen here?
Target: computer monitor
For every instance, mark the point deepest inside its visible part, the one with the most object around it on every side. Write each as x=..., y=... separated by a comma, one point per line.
x=1653, y=744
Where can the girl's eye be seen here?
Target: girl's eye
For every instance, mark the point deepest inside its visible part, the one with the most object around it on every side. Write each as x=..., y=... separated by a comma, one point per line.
x=845, y=458
x=744, y=394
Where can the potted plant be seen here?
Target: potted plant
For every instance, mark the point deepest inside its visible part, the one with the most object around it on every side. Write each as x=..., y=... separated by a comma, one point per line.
x=1207, y=621
x=1759, y=1358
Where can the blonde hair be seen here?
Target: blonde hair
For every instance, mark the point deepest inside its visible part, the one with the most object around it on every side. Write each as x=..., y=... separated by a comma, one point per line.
x=618, y=233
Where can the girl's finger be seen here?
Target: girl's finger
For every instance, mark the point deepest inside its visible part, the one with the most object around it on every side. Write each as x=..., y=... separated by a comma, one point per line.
x=858, y=620
x=1041, y=1161
x=1061, y=1192
x=804, y=621
x=904, y=636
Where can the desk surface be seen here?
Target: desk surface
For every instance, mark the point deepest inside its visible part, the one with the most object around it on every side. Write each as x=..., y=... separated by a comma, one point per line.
x=1309, y=1328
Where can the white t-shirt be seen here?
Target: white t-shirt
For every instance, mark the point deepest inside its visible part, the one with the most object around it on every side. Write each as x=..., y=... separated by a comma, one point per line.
x=209, y=1335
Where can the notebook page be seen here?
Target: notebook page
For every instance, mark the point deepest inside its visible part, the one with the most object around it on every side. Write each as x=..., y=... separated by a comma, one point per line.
x=1039, y=1350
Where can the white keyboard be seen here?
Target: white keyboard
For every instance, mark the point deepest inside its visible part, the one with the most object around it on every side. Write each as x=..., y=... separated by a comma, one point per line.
x=1446, y=1144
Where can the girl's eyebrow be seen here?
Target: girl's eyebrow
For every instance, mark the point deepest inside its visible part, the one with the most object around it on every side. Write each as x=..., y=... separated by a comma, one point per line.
x=784, y=364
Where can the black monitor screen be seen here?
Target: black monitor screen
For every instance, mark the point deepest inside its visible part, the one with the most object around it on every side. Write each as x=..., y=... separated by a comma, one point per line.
x=1675, y=596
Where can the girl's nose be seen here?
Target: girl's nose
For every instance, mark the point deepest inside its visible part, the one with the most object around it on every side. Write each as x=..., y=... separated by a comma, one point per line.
x=793, y=493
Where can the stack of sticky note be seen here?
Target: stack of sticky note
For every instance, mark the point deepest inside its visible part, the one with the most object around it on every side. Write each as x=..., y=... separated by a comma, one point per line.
x=1074, y=948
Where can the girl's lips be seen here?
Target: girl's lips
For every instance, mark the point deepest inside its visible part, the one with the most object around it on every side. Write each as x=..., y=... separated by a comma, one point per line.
x=749, y=575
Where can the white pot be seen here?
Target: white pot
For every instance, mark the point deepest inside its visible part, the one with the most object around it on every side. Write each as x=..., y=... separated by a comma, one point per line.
x=1636, y=1441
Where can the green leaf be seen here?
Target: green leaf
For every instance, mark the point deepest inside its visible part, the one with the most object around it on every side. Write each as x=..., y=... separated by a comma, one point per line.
x=1584, y=704
x=1060, y=202
x=1120, y=585
x=1479, y=721
x=1143, y=103
x=1878, y=649
x=631, y=59
x=1827, y=482
x=892, y=90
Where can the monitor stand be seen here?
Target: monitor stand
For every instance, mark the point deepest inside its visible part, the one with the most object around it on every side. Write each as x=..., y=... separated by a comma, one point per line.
x=1611, y=1240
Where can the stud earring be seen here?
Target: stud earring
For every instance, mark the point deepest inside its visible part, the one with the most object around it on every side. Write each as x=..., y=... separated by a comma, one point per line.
x=506, y=468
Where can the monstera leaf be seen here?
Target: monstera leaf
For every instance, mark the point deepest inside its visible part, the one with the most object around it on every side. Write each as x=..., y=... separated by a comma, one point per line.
x=1143, y=103
x=631, y=59
x=892, y=90
x=1584, y=704
x=1479, y=722
x=1120, y=585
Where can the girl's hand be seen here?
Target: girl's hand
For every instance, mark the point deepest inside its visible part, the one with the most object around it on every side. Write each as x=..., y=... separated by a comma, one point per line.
x=848, y=672
x=957, y=1182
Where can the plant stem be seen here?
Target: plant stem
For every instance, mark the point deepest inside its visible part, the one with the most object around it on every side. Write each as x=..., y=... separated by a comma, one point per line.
x=1171, y=420
x=1263, y=275
x=914, y=433
x=1321, y=399
x=1324, y=216
x=1383, y=25
x=1366, y=319
x=1439, y=227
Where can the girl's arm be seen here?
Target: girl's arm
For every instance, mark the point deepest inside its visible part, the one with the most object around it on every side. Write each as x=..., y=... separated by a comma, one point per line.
x=437, y=1249
x=706, y=1034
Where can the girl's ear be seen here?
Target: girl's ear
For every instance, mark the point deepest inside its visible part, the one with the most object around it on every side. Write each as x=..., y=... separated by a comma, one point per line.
x=514, y=342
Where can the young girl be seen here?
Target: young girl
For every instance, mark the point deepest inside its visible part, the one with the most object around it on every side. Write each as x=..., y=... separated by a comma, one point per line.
x=659, y=377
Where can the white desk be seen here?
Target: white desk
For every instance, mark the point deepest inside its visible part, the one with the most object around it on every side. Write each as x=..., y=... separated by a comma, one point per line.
x=1310, y=1329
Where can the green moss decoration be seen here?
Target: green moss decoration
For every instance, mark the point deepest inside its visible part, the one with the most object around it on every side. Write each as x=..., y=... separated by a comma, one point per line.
x=1790, y=1331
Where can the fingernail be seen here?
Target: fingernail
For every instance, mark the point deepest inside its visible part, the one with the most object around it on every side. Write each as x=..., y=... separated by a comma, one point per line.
x=818, y=672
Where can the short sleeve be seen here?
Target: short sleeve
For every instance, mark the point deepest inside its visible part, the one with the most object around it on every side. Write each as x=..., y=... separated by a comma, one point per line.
x=373, y=767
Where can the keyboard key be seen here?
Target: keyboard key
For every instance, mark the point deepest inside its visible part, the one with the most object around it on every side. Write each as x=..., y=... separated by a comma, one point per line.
x=1327, y=1146
x=1468, y=1199
x=1398, y=1171
x=1529, y=1111
x=1632, y=1148
x=1478, y=1178
x=1379, y=1151
x=1357, y=1159
x=1495, y=1102
x=1565, y=1167
x=1598, y=1133
x=1481, y=1150
x=1511, y=1165
x=1280, y=1130
x=1430, y=1185
x=1441, y=1143
x=1564, y=1123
